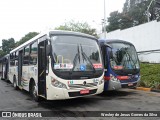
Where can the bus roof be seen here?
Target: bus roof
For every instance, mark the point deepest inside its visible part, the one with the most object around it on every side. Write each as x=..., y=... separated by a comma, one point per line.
x=102, y=41
x=54, y=32
x=4, y=57
x=63, y=32
x=26, y=43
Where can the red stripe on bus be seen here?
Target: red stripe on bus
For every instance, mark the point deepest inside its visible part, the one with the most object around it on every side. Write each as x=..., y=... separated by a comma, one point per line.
x=122, y=77
x=106, y=78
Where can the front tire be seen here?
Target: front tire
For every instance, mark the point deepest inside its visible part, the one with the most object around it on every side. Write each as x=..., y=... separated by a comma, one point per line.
x=34, y=92
x=15, y=83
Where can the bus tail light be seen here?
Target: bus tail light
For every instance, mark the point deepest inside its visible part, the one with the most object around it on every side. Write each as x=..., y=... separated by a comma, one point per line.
x=58, y=84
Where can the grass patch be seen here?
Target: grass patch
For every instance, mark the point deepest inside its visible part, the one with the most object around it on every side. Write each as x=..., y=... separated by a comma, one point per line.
x=150, y=75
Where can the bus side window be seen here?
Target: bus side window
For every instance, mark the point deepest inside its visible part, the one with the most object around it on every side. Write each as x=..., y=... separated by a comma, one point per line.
x=12, y=61
x=112, y=59
x=33, y=54
x=16, y=58
x=26, y=56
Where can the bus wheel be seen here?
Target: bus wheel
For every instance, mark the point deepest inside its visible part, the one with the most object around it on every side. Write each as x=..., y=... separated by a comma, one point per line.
x=34, y=92
x=14, y=83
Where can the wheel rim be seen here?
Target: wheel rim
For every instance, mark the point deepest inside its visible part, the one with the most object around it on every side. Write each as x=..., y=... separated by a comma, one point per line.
x=14, y=83
x=34, y=91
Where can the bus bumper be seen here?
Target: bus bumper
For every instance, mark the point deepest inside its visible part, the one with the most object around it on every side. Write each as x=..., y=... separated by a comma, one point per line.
x=132, y=84
x=61, y=94
x=116, y=84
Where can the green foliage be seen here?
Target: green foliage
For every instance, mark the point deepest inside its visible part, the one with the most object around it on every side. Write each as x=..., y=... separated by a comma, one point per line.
x=114, y=20
x=1, y=53
x=133, y=14
x=125, y=21
x=78, y=27
x=137, y=12
x=27, y=37
x=150, y=75
x=7, y=45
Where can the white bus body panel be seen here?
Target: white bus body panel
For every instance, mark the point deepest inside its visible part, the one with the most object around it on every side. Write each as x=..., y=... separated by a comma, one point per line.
x=55, y=93
x=28, y=73
x=13, y=70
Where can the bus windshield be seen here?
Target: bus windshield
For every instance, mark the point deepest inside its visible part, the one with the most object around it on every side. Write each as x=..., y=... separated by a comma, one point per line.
x=75, y=54
x=123, y=58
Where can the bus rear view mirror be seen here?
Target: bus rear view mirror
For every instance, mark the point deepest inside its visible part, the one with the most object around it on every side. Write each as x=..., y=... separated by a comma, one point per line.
x=48, y=50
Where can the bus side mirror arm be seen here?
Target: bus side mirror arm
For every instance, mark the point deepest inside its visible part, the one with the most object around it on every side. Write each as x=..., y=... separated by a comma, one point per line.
x=111, y=54
x=48, y=50
x=107, y=45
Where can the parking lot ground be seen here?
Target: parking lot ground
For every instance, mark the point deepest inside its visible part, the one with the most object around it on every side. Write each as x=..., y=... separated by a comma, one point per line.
x=122, y=100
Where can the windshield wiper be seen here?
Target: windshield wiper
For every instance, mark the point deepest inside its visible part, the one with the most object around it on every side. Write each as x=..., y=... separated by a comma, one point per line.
x=77, y=56
x=86, y=58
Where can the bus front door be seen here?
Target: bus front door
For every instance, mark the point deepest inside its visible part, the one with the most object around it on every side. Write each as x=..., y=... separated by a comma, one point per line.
x=6, y=70
x=20, y=59
x=42, y=68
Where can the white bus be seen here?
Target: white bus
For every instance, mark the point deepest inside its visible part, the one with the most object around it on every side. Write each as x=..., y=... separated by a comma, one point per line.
x=58, y=65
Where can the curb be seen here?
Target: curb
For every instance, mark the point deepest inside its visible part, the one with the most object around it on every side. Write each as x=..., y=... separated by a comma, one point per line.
x=143, y=88
x=154, y=90
x=147, y=89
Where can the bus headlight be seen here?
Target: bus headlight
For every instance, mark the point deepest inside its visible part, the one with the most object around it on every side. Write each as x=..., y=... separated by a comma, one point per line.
x=95, y=81
x=101, y=81
x=113, y=78
x=58, y=84
x=98, y=81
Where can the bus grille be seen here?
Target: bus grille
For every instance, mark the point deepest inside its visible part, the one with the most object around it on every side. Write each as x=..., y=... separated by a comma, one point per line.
x=74, y=86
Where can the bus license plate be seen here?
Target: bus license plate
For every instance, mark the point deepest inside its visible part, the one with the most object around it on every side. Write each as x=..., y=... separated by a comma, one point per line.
x=130, y=84
x=84, y=91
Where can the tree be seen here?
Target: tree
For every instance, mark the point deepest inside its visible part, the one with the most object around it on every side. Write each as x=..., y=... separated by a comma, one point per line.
x=137, y=9
x=78, y=27
x=27, y=37
x=8, y=45
x=157, y=9
x=126, y=21
x=1, y=53
x=157, y=3
x=134, y=13
x=113, y=20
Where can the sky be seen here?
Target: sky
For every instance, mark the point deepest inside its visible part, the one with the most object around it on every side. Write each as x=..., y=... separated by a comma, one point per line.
x=19, y=17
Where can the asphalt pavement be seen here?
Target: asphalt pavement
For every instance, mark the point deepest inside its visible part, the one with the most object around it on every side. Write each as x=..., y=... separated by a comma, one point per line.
x=122, y=100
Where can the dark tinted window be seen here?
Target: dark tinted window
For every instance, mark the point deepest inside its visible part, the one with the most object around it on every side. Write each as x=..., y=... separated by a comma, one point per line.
x=33, y=55
x=26, y=55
